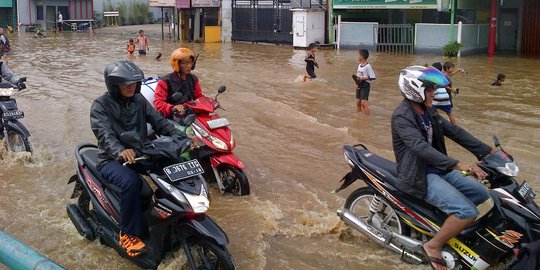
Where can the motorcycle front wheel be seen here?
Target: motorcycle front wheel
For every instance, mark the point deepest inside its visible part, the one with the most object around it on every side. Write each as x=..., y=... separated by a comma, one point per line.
x=385, y=217
x=17, y=142
x=208, y=255
x=234, y=180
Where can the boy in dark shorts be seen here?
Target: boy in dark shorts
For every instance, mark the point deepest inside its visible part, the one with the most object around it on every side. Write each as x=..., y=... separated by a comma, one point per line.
x=363, y=78
x=310, y=62
x=443, y=96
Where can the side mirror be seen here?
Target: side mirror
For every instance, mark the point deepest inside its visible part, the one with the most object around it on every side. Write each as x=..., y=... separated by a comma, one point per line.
x=130, y=138
x=189, y=119
x=496, y=141
x=177, y=98
x=222, y=89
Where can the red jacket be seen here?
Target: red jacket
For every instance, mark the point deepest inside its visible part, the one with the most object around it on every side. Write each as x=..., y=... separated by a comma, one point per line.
x=161, y=94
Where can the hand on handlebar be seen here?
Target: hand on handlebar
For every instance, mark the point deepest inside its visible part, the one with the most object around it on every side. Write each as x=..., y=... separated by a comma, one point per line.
x=472, y=169
x=179, y=108
x=128, y=156
x=194, y=144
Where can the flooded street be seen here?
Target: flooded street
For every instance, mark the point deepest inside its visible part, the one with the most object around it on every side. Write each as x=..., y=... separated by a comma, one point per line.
x=288, y=133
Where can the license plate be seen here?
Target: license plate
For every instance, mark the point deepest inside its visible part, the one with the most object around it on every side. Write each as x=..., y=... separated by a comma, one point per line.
x=217, y=123
x=526, y=192
x=183, y=170
x=13, y=114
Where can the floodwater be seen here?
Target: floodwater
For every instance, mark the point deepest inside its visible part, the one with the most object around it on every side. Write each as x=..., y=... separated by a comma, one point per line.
x=289, y=134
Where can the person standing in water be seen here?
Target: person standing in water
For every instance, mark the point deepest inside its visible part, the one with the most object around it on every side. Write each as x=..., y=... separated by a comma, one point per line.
x=363, y=78
x=142, y=41
x=310, y=62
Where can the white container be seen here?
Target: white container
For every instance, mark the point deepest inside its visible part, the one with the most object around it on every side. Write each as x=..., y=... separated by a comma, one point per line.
x=308, y=26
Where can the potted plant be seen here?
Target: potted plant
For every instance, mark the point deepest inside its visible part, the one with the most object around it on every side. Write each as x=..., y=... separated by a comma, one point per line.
x=451, y=49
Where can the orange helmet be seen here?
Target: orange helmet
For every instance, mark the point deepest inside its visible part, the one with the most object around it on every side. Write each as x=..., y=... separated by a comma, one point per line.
x=181, y=54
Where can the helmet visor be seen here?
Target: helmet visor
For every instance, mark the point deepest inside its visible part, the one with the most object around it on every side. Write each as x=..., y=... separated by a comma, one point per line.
x=128, y=83
x=433, y=78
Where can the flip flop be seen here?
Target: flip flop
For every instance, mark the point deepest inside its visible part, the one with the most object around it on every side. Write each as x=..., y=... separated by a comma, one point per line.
x=430, y=259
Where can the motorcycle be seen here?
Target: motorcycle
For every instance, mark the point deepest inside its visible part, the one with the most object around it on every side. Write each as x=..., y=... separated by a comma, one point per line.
x=216, y=140
x=174, y=211
x=402, y=223
x=14, y=133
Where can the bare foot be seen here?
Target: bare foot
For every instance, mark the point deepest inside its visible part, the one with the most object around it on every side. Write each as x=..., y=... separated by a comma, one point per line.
x=434, y=255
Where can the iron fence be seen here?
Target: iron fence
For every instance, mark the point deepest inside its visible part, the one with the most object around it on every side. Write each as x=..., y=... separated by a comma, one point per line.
x=394, y=38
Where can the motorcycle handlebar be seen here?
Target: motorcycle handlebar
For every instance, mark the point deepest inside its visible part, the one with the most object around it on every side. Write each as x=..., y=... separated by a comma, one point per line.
x=135, y=160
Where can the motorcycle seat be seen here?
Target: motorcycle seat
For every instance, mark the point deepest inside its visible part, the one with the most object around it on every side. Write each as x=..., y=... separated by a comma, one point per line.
x=89, y=157
x=376, y=164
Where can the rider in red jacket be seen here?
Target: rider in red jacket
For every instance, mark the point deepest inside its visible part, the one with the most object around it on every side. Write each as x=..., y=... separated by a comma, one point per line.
x=180, y=80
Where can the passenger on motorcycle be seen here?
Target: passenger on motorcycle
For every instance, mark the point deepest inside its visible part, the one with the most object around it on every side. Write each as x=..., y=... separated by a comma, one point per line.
x=123, y=109
x=180, y=80
x=424, y=169
x=8, y=75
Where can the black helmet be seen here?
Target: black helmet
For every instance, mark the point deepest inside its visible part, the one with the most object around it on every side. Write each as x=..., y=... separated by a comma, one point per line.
x=122, y=71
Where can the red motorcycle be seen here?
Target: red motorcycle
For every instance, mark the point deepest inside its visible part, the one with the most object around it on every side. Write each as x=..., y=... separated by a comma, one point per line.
x=215, y=140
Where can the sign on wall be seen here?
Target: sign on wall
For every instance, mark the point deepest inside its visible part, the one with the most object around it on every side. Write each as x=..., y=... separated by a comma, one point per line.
x=162, y=3
x=182, y=3
x=6, y=3
x=205, y=3
x=385, y=4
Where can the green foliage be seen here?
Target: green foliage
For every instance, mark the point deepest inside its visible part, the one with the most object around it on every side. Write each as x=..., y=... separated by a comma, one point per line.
x=451, y=49
x=123, y=18
x=135, y=12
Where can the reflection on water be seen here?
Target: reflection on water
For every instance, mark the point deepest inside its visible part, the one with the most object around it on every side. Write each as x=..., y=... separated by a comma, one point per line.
x=289, y=135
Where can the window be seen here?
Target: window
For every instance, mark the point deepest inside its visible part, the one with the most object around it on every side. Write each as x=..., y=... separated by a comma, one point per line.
x=39, y=13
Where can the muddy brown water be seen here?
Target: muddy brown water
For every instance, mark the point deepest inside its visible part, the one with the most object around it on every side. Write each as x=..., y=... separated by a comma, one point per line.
x=289, y=134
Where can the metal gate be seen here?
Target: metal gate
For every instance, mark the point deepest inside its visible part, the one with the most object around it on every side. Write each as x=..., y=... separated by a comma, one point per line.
x=395, y=38
x=262, y=21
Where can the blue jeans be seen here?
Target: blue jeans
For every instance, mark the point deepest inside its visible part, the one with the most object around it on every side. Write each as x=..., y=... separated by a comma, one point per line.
x=130, y=184
x=455, y=194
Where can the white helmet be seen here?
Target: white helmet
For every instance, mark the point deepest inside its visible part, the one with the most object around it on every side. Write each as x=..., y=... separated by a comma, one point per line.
x=414, y=79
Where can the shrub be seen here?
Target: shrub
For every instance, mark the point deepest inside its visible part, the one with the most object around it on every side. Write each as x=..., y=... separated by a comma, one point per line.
x=451, y=49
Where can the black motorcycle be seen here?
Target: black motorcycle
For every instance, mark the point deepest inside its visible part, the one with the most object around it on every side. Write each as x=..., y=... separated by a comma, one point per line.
x=13, y=132
x=174, y=211
x=402, y=223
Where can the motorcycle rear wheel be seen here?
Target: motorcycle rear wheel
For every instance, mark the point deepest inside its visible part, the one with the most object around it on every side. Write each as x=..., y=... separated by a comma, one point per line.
x=234, y=180
x=209, y=256
x=386, y=218
x=17, y=142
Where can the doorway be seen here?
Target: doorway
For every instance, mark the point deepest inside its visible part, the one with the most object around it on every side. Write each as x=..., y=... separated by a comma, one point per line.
x=508, y=29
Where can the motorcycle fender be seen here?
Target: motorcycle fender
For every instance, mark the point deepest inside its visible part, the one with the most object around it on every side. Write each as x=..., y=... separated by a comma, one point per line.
x=206, y=227
x=226, y=158
x=19, y=127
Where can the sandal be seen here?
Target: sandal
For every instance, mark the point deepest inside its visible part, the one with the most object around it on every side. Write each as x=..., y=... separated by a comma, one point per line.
x=431, y=259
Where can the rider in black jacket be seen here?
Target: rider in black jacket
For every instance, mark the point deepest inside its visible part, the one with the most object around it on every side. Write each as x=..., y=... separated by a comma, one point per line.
x=123, y=109
x=424, y=168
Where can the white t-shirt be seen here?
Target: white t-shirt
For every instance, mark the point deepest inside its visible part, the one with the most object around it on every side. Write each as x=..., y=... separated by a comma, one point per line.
x=441, y=97
x=366, y=72
x=60, y=18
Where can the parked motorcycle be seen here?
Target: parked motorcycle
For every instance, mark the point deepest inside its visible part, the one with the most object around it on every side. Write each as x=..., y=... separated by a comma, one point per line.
x=174, y=211
x=401, y=223
x=14, y=133
x=216, y=139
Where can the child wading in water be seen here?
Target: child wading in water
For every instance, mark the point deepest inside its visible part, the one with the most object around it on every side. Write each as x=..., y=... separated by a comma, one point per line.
x=310, y=62
x=443, y=96
x=131, y=47
x=500, y=79
x=363, y=78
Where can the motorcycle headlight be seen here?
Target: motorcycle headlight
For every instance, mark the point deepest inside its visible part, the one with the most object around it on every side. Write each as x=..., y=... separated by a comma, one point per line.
x=199, y=203
x=510, y=169
x=177, y=194
x=219, y=143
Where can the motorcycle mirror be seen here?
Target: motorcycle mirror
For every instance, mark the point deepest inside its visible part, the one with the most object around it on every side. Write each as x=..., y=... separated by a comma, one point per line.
x=188, y=120
x=194, y=62
x=496, y=141
x=177, y=97
x=222, y=89
x=130, y=138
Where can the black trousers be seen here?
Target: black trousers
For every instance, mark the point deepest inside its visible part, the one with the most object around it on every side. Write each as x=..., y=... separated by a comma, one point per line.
x=130, y=184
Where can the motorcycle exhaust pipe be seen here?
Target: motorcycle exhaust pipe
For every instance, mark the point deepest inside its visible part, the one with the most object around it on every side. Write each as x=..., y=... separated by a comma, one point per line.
x=79, y=221
x=384, y=238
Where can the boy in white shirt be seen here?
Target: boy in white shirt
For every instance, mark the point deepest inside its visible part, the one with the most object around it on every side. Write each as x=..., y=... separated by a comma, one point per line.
x=363, y=78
